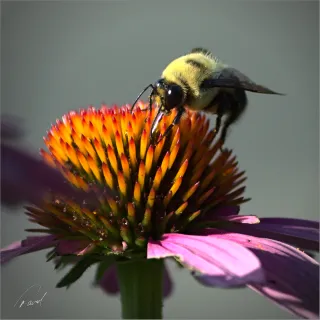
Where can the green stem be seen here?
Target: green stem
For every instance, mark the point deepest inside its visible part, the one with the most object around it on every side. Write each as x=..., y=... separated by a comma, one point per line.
x=141, y=288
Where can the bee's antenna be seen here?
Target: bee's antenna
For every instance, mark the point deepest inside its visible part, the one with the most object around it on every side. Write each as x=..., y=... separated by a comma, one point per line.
x=141, y=93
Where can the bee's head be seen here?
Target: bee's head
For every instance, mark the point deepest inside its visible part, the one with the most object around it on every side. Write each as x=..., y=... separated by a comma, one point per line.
x=168, y=95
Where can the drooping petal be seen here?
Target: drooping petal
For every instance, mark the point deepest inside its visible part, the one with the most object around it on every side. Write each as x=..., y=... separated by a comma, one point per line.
x=292, y=276
x=24, y=178
x=292, y=222
x=109, y=282
x=167, y=283
x=65, y=247
x=298, y=232
x=229, y=263
x=241, y=219
x=30, y=244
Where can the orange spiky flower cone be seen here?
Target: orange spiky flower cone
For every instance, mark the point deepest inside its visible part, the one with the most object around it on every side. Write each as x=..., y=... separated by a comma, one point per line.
x=160, y=188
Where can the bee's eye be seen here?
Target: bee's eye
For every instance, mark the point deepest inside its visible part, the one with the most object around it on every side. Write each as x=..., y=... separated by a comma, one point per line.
x=174, y=96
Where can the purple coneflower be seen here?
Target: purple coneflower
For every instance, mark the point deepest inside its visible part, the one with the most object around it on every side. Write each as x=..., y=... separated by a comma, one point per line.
x=179, y=199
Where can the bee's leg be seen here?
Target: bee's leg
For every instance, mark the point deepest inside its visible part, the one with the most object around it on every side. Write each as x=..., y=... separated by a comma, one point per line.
x=229, y=120
x=218, y=123
x=150, y=103
x=149, y=107
x=217, y=128
x=219, y=106
x=238, y=103
x=175, y=121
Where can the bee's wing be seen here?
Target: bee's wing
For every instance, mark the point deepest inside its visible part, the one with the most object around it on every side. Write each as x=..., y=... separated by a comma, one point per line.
x=229, y=77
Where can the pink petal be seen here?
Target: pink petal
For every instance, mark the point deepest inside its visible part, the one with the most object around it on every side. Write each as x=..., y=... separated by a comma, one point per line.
x=293, y=277
x=241, y=219
x=12, y=246
x=31, y=244
x=72, y=246
x=109, y=282
x=157, y=251
x=298, y=232
x=89, y=248
x=229, y=264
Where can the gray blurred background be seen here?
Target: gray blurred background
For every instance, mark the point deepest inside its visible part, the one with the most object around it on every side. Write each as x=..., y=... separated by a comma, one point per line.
x=59, y=55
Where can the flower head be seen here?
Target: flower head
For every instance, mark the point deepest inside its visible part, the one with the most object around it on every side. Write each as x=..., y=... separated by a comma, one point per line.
x=179, y=198
x=164, y=188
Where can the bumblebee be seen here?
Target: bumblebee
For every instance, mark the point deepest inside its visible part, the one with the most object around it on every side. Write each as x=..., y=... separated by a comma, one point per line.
x=200, y=82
